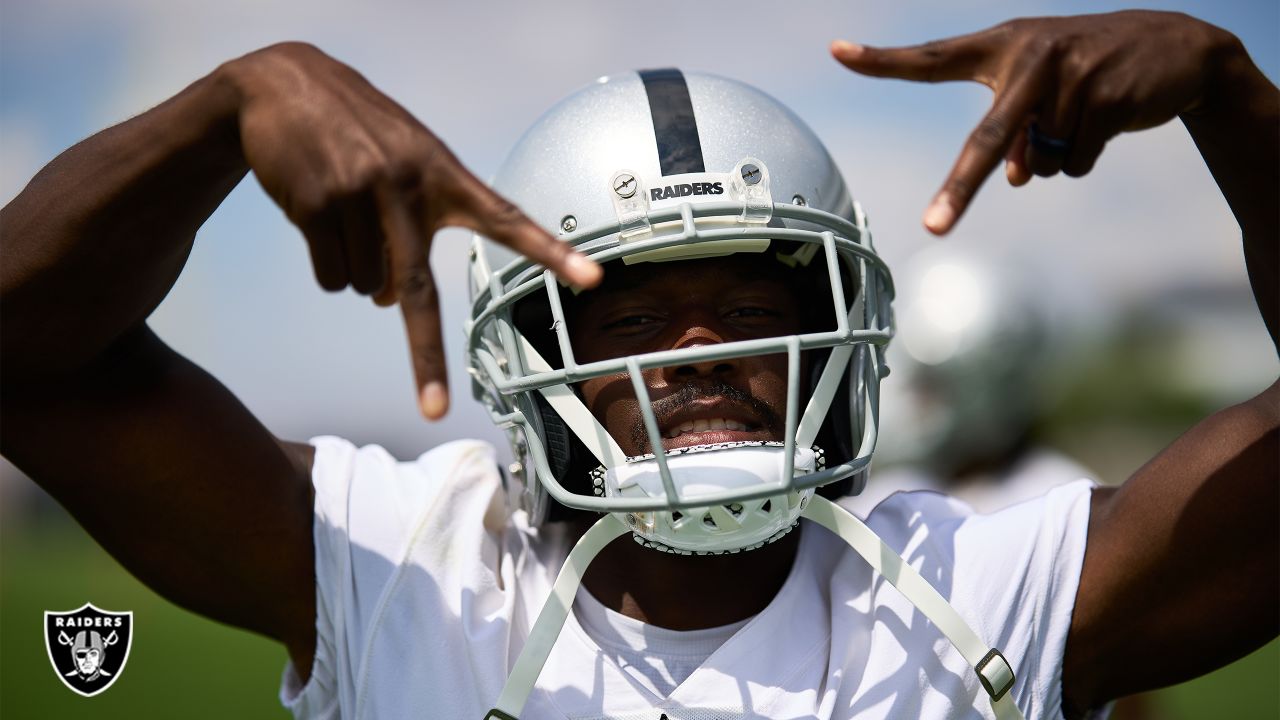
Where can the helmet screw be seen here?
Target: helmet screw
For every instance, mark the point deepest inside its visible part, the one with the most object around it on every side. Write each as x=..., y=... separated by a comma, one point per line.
x=798, y=200
x=624, y=185
x=750, y=174
x=569, y=223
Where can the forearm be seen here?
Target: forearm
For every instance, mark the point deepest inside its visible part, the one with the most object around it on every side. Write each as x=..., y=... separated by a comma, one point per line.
x=97, y=238
x=1237, y=130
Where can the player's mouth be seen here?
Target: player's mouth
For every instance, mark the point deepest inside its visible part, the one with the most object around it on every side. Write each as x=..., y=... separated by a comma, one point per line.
x=711, y=423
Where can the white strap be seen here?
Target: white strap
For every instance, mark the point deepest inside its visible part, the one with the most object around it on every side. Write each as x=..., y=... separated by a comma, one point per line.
x=574, y=413
x=816, y=411
x=551, y=619
x=993, y=670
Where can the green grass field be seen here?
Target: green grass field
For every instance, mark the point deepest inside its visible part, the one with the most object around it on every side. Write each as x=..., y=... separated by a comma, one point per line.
x=180, y=665
x=184, y=666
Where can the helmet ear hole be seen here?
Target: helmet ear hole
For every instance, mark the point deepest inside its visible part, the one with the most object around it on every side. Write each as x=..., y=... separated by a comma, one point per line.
x=836, y=435
x=571, y=462
x=556, y=437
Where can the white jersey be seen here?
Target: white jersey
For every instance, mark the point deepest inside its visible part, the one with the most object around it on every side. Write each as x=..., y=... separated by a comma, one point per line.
x=426, y=588
x=1034, y=473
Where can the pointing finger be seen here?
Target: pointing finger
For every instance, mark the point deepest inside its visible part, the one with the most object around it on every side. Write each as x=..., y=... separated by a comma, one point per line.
x=987, y=144
x=416, y=290
x=479, y=208
x=958, y=58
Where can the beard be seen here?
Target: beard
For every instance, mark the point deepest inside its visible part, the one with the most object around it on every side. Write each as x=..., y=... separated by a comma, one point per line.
x=687, y=393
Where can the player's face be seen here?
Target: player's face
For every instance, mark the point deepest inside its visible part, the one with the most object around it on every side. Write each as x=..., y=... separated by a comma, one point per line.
x=649, y=307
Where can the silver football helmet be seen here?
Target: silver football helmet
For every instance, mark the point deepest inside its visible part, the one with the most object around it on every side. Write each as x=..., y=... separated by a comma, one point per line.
x=657, y=166
x=661, y=166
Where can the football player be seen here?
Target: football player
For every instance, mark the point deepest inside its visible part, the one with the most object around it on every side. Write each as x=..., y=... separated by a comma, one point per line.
x=709, y=400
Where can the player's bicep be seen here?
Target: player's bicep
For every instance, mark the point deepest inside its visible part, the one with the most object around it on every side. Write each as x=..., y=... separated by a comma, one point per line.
x=1180, y=572
x=178, y=481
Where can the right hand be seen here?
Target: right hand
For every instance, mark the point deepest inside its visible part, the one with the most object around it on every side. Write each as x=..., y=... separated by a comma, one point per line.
x=369, y=186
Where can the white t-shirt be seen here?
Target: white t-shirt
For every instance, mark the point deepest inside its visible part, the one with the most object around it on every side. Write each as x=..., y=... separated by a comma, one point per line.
x=1034, y=473
x=657, y=658
x=426, y=589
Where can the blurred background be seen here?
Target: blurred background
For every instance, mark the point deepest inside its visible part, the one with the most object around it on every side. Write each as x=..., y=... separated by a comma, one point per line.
x=1137, y=268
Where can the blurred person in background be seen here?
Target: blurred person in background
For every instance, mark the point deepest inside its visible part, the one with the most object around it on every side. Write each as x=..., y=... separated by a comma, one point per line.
x=978, y=363
x=975, y=366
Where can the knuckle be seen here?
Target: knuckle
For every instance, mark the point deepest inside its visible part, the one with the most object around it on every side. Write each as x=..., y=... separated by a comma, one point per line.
x=933, y=49
x=366, y=169
x=367, y=174
x=366, y=284
x=405, y=174
x=989, y=134
x=309, y=208
x=1106, y=100
x=502, y=213
x=1041, y=46
x=331, y=285
x=416, y=287
x=428, y=353
x=959, y=188
x=1077, y=169
x=1030, y=49
x=1079, y=164
x=294, y=48
x=329, y=280
x=1042, y=166
x=1075, y=63
x=1013, y=26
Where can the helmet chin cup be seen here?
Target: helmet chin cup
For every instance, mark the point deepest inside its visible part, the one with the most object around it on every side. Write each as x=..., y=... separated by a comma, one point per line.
x=705, y=471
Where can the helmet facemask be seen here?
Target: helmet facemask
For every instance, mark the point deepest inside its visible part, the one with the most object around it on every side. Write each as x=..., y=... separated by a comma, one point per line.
x=721, y=498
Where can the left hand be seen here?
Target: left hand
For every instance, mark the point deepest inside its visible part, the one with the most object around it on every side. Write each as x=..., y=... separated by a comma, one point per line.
x=1063, y=88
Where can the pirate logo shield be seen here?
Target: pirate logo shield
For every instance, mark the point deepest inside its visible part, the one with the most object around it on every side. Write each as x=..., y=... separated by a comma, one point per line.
x=88, y=647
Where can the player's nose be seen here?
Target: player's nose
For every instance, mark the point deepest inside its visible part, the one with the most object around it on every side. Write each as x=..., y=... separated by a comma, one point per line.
x=700, y=334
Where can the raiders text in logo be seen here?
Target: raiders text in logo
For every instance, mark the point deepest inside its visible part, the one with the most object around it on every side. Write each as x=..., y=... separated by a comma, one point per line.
x=683, y=189
x=88, y=647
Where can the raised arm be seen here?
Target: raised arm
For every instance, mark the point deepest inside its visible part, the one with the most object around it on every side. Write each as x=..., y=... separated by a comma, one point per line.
x=1180, y=574
x=153, y=456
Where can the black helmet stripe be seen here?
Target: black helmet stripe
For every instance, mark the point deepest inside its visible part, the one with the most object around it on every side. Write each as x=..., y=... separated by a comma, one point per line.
x=679, y=150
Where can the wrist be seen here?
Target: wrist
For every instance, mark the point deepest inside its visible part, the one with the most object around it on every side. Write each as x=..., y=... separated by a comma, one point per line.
x=1232, y=82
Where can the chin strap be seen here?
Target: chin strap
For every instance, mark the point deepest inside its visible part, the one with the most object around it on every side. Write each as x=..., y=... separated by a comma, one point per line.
x=551, y=619
x=993, y=670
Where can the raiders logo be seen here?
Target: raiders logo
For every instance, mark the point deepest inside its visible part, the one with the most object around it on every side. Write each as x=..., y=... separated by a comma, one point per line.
x=88, y=647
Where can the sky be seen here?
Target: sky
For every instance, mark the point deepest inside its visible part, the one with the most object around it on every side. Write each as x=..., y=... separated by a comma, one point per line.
x=1147, y=222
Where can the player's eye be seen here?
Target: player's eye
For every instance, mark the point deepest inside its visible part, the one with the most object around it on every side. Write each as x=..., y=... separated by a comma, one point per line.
x=630, y=321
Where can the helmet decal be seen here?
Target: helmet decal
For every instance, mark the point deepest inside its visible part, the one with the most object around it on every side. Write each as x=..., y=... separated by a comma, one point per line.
x=674, y=126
